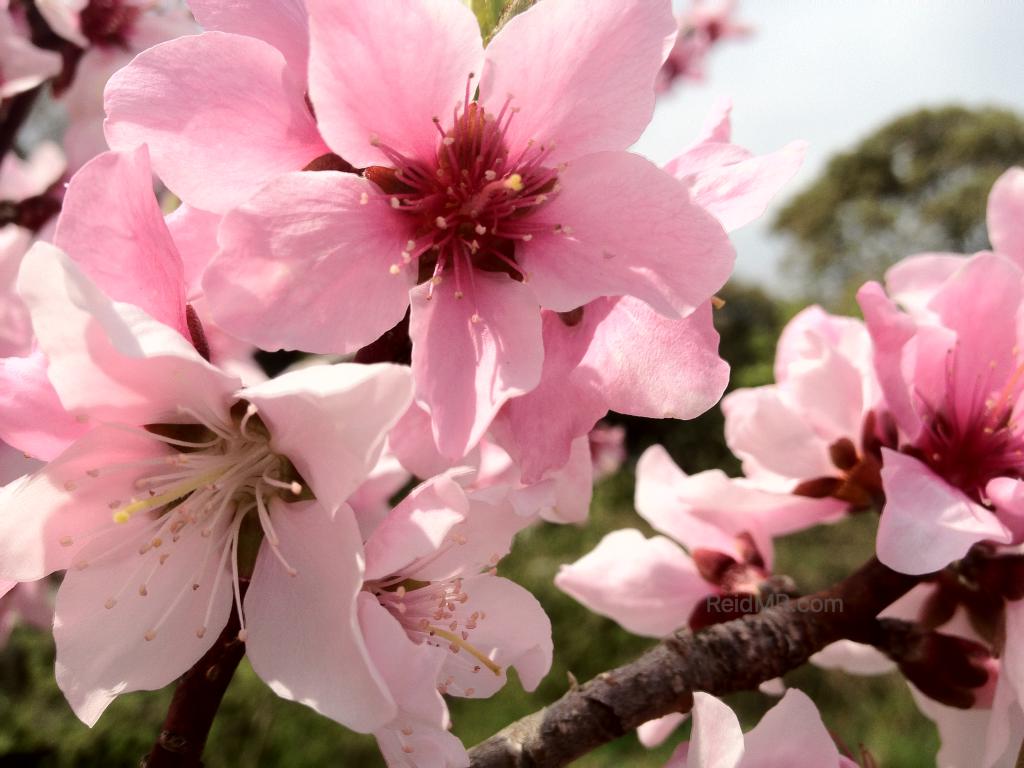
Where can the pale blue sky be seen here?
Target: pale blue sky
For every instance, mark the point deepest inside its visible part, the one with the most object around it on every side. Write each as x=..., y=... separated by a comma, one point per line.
x=831, y=71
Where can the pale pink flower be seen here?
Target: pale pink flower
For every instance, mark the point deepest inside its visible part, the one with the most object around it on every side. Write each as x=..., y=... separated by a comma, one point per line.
x=818, y=428
x=22, y=65
x=553, y=214
x=146, y=511
x=954, y=383
x=434, y=616
x=790, y=734
x=705, y=24
x=653, y=586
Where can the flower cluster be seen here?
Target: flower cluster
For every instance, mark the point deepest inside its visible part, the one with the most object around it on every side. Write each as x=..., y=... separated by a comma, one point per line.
x=468, y=269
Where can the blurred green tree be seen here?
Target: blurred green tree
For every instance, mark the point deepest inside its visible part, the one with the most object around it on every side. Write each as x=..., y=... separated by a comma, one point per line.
x=919, y=183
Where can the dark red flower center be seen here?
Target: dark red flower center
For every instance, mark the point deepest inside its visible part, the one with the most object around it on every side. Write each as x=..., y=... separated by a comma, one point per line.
x=970, y=441
x=108, y=22
x=472, y=201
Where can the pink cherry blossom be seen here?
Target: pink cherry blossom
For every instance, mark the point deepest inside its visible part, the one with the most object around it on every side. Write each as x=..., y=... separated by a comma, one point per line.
x=434, y=617
x=552, y=192
x=705, y=24
x=652, y=586
x=953, y=383
x=791, y=733
x=147, y=510
x=818, y=428
x=22, y=65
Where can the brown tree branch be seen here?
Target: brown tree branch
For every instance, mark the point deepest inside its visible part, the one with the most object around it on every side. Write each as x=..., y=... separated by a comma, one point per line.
x=195, y=703
x=724, y=658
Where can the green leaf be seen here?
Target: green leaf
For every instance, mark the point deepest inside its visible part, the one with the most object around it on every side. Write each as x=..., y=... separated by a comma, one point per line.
x=494, y=14
x=487, y=14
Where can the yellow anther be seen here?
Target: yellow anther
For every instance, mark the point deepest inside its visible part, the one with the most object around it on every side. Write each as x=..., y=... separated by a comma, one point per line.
x=514, y=182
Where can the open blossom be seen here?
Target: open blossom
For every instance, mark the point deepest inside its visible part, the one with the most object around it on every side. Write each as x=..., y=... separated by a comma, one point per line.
x=954, y=384
x=181, y=471
x=790, y=734
x=435, y=618
x=489, y=189
x=652, y=586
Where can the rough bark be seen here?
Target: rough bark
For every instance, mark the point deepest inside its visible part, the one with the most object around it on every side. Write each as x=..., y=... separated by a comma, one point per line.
x=724, y=658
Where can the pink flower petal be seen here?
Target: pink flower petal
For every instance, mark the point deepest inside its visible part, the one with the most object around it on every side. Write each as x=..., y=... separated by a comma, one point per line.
x=23, y=65
x=112, y=227
x=222, y=115
x=513, y=631
x=649, y=586
x=32, y=417
x=282, y=23
x=914, y=281
x=411, y=671
x=47, y=516
x=103, y=652
x=15, y=324
x=656, y=367
x=1006, y=215
x=194, y=233
x=113, y=362
x=310, y=248
x=739, y=193
x=653, y=733
x=853, y=659
x=22, y=179
x=790, y=733
x=628, y=228
x=716, y=740
x=584, y=80
x=986, y=340
x=466, y=370
x=332, y=420
x=416, y=528
x=383, y=70
x=412, y=440
x=770, y=436
x=891, y=331
x=304, y=636
x=926, y=523
x=538, y=428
